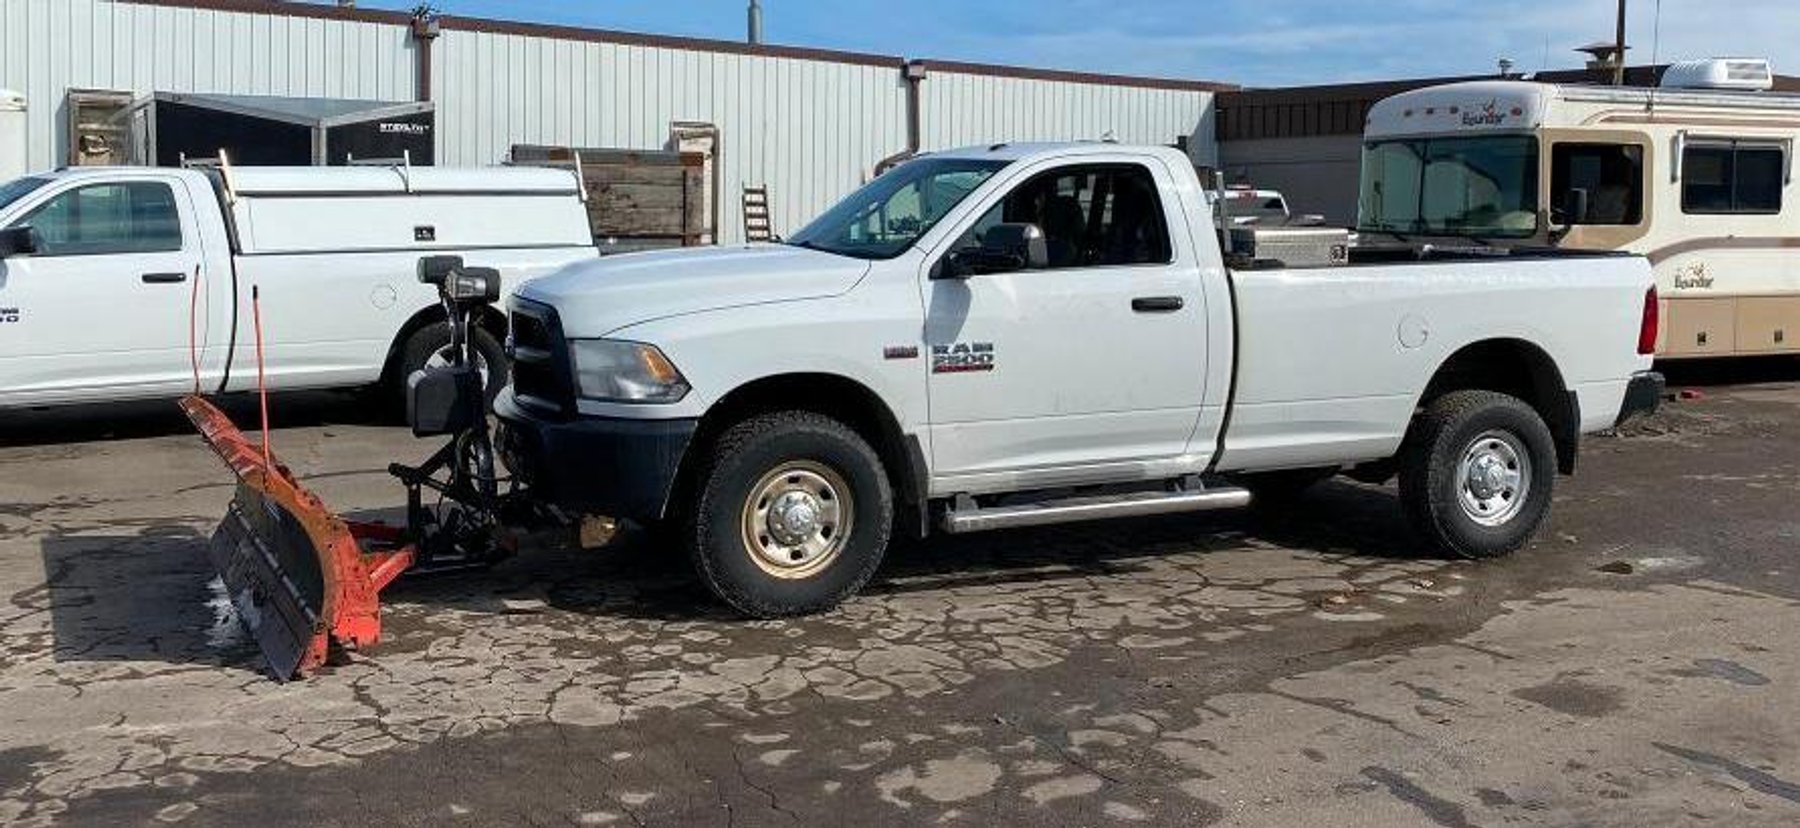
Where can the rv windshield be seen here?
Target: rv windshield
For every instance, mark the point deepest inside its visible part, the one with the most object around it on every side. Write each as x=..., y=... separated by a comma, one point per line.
x=18, y=188
x=884, y=218
x=1485, y=186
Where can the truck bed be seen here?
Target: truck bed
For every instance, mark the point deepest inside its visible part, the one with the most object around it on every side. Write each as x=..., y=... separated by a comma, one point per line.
x=1328, y=360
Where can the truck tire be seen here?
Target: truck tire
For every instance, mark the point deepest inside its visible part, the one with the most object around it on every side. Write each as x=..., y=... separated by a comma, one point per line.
x=1477, y=470
x=791, y=515
x=430, y=345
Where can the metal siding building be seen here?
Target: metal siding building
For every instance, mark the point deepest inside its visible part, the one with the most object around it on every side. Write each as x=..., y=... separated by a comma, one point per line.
x=965, y=104
x=810, y=124
x=48, y=47
x=809, y=129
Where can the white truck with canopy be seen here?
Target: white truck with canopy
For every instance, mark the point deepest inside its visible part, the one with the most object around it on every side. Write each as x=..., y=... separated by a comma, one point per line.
x=129, y=283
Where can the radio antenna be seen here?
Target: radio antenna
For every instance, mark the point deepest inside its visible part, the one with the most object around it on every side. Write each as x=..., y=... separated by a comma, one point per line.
x=1655, y=55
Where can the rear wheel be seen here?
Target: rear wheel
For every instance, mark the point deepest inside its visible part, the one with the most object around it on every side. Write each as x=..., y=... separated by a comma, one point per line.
x=791, y=516
x=1477, y=472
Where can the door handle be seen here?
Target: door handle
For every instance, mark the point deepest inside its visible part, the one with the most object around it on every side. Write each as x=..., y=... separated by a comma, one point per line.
x=1158, y=304
x=164, y=278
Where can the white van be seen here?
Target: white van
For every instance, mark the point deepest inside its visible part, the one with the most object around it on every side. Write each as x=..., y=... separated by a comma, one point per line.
x=128, y=283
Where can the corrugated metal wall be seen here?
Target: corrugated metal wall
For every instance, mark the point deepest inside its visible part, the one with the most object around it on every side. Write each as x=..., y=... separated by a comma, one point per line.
x=48, y=47
x=809, y=129
x=809, y=126
x=964, y=108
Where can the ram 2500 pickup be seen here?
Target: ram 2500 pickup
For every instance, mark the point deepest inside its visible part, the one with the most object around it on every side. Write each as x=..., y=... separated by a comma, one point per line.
x=132, y=283
x=1018, y=335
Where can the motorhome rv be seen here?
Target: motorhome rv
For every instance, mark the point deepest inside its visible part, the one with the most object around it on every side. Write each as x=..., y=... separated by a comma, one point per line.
x=1696, y=174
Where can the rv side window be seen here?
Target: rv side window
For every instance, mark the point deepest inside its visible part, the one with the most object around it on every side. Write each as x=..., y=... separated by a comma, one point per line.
x=1732, y=179
x=1612, y=175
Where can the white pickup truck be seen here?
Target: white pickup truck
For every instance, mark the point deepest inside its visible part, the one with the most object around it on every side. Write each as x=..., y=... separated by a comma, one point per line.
x=1019, y=335
x=121, y=283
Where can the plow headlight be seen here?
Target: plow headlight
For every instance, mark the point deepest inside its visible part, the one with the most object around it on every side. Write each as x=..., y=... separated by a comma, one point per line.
x=629, y=372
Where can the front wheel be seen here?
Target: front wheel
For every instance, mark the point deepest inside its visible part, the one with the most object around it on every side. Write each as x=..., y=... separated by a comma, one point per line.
x=791, y=516
x=1476, y=473
x=429, y=347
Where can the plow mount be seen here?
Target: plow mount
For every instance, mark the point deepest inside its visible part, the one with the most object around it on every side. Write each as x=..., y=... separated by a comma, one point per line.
x=306, y=582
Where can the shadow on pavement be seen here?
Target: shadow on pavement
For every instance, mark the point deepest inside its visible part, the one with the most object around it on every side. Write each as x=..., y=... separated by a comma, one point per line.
x=1707, y=373
x=160, y=418
x=143, y=597
x=149, y=596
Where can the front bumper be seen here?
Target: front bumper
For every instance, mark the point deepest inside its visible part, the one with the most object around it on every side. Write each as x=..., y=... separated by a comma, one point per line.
x=1643, y=396
x=594, y=465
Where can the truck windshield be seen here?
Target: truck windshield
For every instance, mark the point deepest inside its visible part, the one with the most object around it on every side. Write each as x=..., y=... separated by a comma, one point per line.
x=18, y=188
x=885, y=217
x=1484, y=186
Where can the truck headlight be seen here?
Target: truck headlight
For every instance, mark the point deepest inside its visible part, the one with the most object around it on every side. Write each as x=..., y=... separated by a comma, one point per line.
x=628, y=372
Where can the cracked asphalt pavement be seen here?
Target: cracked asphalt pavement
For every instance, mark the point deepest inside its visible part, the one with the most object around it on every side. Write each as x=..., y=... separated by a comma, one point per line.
x=1292, y=666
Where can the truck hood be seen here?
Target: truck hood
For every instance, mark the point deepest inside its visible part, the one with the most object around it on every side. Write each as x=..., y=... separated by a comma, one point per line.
x=595, y=298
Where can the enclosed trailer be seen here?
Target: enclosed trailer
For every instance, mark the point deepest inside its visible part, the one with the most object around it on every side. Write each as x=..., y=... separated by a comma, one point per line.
x=260, y=130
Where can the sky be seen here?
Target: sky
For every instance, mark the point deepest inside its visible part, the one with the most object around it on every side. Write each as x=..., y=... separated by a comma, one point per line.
x=1251, y=42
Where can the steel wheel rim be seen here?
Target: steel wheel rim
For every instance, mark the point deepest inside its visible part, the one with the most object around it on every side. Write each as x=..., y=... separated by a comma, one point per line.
x=1493, y=478
x=797, y=519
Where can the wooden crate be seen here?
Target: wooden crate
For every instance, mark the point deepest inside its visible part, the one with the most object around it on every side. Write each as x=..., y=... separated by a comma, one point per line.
x=637, y=199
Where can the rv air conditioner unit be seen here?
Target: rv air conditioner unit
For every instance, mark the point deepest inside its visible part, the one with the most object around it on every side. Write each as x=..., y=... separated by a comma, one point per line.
x=1742, y=74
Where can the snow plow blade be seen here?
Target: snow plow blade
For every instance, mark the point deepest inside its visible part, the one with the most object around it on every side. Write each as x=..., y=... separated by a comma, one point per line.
x=303, y=580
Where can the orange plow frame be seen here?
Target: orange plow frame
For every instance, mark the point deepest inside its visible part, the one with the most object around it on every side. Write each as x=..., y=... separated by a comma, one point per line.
x=295, y=626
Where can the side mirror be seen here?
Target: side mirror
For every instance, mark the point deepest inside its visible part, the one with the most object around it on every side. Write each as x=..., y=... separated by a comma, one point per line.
x=19, y=241
x=1575, y=204
x=1026, y=242
x=1005, y=248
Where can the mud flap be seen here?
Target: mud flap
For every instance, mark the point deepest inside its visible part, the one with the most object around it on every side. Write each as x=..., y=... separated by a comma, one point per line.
x=303, y=580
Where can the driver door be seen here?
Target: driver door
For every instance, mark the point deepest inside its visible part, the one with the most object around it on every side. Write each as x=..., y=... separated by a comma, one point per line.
x=101, y=310
x=1097, y=359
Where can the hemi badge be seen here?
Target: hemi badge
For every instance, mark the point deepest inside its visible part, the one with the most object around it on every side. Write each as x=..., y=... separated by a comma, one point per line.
x=900, y=352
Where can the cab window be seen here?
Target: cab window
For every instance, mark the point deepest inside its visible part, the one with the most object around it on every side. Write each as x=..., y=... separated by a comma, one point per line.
x=1612, y=175
x=114, y=218
x=1092, y=216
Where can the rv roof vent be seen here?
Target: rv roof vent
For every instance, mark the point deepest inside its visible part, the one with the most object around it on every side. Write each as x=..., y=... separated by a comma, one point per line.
x=1746, y=74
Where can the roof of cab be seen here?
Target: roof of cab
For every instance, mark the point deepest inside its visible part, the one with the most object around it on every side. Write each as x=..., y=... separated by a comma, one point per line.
x=1032, y=150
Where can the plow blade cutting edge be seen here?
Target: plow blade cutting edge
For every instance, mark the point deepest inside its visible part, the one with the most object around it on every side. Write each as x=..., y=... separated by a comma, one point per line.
x=302, y=578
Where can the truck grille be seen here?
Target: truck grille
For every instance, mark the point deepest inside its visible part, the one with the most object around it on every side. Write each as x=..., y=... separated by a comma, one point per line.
x=542, y=378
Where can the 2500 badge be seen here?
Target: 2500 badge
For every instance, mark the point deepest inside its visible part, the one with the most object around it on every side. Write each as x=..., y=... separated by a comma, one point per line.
x=9, y=316
x=962, y=358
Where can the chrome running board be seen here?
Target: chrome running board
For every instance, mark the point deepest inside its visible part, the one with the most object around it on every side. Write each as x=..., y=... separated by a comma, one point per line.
x=962, y=519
